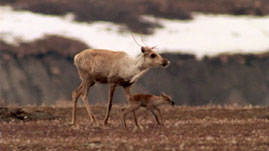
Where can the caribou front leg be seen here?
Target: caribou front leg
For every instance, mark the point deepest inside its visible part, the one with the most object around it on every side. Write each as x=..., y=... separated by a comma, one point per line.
x=109, y=105
x=127, y=90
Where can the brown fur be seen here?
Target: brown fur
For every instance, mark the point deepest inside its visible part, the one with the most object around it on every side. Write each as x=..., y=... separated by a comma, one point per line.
x=113, y=67
x=150, y=102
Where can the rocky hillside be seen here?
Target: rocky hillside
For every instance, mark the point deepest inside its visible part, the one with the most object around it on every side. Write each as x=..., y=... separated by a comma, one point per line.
x=42, y=72
x=38, y=72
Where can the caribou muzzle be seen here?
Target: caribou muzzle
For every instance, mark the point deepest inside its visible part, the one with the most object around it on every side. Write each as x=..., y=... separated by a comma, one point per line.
x=165, y=63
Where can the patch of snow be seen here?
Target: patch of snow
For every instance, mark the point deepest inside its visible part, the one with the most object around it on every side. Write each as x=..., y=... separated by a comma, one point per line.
x=204, y=35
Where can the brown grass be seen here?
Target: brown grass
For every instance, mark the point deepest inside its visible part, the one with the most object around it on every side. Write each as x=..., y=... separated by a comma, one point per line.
x=204, y=128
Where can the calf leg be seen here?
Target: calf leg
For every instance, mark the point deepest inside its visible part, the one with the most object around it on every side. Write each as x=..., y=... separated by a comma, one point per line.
x=155, y=116
x=159, y=111
x=136, y=123
x=128, y=110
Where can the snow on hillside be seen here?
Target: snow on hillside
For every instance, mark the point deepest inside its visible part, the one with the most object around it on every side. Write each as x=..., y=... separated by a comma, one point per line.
x=204, y=35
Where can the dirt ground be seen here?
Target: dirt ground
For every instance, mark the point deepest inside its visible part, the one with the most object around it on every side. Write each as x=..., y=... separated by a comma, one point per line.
x=204, y=128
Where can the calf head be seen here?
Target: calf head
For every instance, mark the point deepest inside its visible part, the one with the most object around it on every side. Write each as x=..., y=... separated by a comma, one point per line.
x=167, y=99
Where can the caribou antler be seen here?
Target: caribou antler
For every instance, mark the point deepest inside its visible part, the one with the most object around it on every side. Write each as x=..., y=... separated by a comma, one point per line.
x=143, y=41
x=136, y=41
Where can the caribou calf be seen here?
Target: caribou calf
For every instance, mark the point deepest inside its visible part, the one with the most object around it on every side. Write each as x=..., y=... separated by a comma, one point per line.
x=113, y=67
x=150, y=102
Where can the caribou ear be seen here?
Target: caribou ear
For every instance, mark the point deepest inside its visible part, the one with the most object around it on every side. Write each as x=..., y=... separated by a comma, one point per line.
x=143, y=50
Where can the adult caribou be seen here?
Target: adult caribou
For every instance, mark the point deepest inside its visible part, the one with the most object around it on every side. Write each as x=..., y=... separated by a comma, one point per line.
x=113, y=67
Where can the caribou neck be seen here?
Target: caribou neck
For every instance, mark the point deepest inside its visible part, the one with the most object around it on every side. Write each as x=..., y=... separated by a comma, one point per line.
x=140, y=68
x=140, y=63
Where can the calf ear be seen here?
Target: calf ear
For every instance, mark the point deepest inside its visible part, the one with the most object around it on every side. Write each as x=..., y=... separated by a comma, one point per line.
x=163, y=94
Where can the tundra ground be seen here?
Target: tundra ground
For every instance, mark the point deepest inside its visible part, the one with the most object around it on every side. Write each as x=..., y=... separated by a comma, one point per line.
x=204, y=128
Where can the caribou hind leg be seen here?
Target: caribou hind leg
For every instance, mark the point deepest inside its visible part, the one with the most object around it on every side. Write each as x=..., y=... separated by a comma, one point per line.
x=85, y=93
x=75, y=95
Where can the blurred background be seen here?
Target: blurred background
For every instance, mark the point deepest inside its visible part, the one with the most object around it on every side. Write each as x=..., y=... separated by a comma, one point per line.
x=219, y=49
